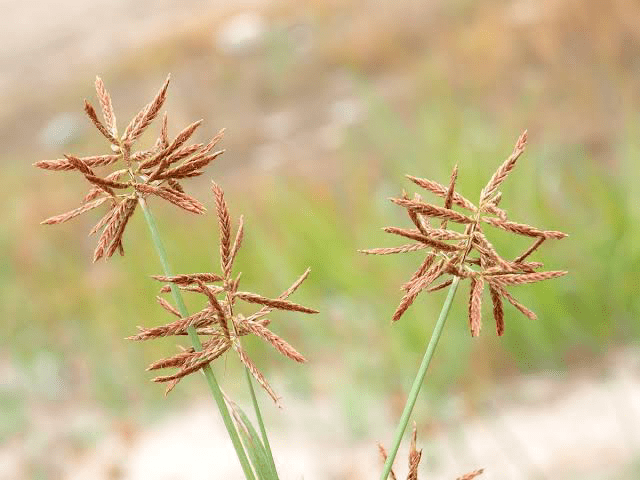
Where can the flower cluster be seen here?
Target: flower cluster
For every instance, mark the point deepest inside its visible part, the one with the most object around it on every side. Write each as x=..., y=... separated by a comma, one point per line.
x=468, y=254
x=217, y=320
x=155, y=171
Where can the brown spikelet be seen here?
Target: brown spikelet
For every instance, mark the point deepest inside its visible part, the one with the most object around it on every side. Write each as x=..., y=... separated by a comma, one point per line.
x=203, y=318
x=144, y=118
x=471, y=475
x=237, y=243
x=273, y=302
x=105, y=183
x=65, y=164
x=164, y=131
x=522, y=278
x=129, y=208
x=491, y=208
x=522, y=229
x=91, y=113
x=441, y=191
x=110, y=229
x=179, y=199
x=415, y=288
x=524, y=310
x=498, y=312
x=244, y=358
x=475, y=305
x=504, y=169
x=440, y=286
x=278, y=343
x=168, y=307
x=107, y=108
x=384, y=455
x=530, y=250
x=433, y=210
x=448, y=199
x=414, y=456
x=416, y=235
x=412, y=247
x=63, y=217
x=426, y=263
x=216, y=307
x=189, y=279
x=224, y=222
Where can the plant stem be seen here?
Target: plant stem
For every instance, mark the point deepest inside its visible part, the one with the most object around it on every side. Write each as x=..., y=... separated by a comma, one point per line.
x=417, y=383
x=197, y=345
x=263, y=430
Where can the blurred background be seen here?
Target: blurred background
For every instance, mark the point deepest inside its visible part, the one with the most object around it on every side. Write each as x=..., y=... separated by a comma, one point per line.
x=327, y=105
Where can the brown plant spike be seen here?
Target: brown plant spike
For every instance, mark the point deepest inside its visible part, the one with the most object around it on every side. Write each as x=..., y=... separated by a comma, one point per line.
x=147, y=172
x=468, y=253
x=217, y=320
x=415, y=456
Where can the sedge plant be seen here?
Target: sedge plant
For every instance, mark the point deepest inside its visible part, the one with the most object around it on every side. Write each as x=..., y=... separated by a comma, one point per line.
x=216, y=329
x=455, y=255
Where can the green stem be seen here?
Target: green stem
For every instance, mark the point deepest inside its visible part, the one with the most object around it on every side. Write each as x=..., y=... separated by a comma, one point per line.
x=263, y=430
x=417, y=383
x=197, y=345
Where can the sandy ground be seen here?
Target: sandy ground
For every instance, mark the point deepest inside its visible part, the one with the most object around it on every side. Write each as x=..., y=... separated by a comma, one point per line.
x=539, y=427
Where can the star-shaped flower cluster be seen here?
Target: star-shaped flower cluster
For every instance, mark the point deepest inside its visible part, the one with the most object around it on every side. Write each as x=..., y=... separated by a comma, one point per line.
x=468, y=254
x=155, y=171
x=218, y=321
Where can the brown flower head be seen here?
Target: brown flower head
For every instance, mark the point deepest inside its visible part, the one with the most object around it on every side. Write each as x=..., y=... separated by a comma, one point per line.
x=136, y=175
x=467, y=254
x=217, y=320
x=415, y=456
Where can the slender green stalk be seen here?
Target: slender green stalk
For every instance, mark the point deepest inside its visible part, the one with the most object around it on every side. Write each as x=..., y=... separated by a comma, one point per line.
x=263, y=430
x=417, y=383
x=197, y=345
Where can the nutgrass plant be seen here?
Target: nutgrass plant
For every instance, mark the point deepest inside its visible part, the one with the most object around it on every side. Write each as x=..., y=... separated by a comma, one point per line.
x=158, y=172
x=461, y=255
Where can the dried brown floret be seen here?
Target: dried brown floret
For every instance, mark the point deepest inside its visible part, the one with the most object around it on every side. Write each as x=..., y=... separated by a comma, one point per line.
x=218, y=320
x=468, y=254
x=147, y=171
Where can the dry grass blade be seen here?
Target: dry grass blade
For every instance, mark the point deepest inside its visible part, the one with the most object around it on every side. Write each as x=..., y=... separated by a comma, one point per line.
x=93, y=116
x=278, y=343
x=412, y=247
x=273, y=302
x=522, y=229
x=143, y=119
x=63, y=217
x=244, y=358
x=441, y=191
x=433, y=210
x=107, y=108
x=498, y=312
x=471, y=475
x=475, y=305
x=504, y=169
